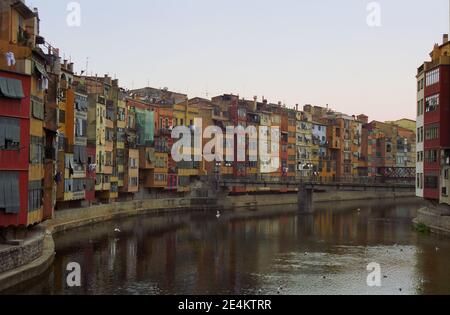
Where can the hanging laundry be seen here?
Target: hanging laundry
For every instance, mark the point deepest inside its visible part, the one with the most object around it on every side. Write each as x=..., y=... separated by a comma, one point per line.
x=58, y=177
x=92, y=168
x=71, y=169
x=45, y=83
x=10, y=59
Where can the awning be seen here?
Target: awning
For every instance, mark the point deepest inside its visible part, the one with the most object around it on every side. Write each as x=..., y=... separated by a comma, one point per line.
x=11, y=88
x=40, y=68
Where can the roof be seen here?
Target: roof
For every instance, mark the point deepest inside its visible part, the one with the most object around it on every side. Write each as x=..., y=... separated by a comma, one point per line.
x=23, y=10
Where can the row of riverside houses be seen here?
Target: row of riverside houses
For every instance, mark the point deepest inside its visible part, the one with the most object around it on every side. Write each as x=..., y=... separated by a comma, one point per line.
x=70, y=140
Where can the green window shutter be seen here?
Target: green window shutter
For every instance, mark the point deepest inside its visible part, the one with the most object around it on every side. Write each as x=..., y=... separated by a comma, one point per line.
x=37, y=109
x=11, y=88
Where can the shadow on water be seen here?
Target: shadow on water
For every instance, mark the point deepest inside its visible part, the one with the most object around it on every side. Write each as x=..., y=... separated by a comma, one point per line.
x=248, y=252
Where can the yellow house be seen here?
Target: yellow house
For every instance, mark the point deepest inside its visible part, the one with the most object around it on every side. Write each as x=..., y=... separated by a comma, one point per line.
x=404, y=123
x=185, y=115
x=131, y=178
x=36, y=168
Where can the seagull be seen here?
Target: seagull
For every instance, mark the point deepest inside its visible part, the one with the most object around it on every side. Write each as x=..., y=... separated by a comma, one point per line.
x=117, y=230
x=218, y=214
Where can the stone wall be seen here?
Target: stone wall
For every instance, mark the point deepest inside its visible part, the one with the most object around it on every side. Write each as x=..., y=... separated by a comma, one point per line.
x=434, y=220
x=70, y=219
x=12, y=257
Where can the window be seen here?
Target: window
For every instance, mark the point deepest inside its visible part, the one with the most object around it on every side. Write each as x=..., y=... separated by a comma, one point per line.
x=388, y=148
x=36, y=150
x=419, y=181
x=109, y=134
x=98, y=179
x=114, y=188
x=431, y=182
x=347, y=169
x=420, y=134
x=121, y=114
x=62, y=116
x=108, y=159
x=9, y=133
x=432, y=133
x=68, y=185
x=9, y=192
x=133, y=163
x=80, y=127
x=431, y=156
x=81, y=103
x=37, y=108
x=34, y=196
x=432, y=77
x=432, y=103
x=133, y=181
x=420, y=156
x=420, y=108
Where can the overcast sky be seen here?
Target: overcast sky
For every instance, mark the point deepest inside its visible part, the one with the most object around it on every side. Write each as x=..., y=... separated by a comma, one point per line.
x=296, y=51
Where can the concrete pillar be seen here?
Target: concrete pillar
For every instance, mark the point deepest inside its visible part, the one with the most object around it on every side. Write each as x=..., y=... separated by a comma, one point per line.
x=305, y=200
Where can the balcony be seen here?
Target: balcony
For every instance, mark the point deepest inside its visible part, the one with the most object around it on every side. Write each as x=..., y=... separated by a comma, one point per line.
x=23, y=38
x=165, y=131
x=80, y=195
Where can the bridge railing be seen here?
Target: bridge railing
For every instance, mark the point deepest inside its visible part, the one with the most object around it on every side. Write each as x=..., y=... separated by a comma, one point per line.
x=317, y=180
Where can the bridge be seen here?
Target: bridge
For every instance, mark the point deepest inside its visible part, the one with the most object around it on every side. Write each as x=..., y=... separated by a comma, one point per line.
x=307, y=187
x=317, y=184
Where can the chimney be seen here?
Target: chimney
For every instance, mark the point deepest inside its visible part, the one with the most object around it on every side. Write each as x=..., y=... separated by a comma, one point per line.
x=296, y=107
x=363, y=118
x=445, y=39
x=255, y=104
x=70, y=67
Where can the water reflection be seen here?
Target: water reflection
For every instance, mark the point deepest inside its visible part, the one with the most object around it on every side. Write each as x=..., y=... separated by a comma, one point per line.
x=242, y=254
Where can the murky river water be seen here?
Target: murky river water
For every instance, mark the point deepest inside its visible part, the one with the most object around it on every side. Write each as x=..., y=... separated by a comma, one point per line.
x=198, y=253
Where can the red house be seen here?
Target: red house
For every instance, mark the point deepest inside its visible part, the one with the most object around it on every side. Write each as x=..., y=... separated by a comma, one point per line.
x=14, y=148
x=436, y=119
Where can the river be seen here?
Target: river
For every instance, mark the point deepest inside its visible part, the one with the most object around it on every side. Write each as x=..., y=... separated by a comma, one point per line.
x=269, y=251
